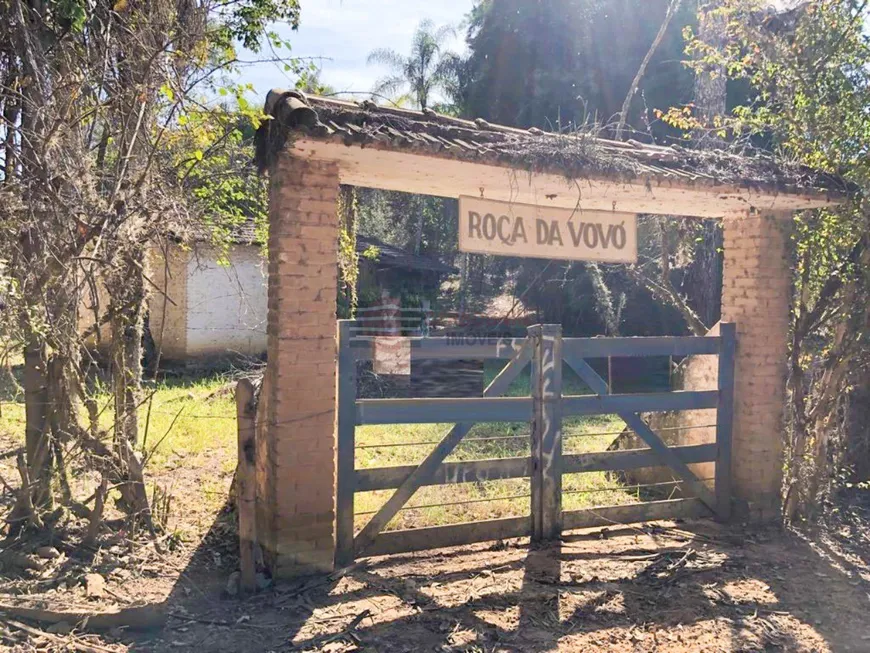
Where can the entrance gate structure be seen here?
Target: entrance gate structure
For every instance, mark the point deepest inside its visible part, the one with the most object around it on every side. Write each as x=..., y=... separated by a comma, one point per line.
x=546, y=352
x=311, y=146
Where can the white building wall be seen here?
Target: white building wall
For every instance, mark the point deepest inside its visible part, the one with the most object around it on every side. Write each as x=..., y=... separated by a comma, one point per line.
x=226, y=305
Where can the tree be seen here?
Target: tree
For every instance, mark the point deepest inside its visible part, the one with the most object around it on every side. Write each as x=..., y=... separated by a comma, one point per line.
x=91, y=93
x=428, y=69
x=557, y=63
x=422, y=73
x=808, y=70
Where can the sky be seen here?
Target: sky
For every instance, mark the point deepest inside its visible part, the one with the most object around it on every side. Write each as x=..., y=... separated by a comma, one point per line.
x=343, y=32
x=340, y=34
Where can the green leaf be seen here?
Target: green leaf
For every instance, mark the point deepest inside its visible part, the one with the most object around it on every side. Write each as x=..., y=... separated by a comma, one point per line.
x=167, y=92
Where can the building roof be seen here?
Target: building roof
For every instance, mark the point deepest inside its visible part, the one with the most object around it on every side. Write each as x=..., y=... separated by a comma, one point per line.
x=391, y=256
x=577, y=156
x=388, y=256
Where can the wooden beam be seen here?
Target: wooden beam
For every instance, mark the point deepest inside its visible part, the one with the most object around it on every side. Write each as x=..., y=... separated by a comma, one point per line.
x=646, y=346
x=547, y=432
x=449, y=348
x=246, y=489
x=440, y=410
x=430, y=174
x=634, y=513
x=725, y=419
x=639, y=402
x=614, y=461
x=346, y=446
x=477, y=471
x=427, y=468
x=436, y=537
x=497, y=469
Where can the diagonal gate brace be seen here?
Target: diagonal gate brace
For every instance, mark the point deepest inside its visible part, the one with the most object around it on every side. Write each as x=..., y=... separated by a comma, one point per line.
x=655, y=443
x=429, y=466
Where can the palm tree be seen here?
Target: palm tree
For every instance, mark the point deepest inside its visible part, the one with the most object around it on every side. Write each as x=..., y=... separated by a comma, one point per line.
x=428, y=68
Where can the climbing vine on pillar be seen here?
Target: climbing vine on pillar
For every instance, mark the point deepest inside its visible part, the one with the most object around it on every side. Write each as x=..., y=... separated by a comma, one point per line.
x=348, y=259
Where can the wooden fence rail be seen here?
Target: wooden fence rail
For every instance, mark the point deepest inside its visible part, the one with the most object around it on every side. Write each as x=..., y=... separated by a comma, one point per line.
x=544, y=351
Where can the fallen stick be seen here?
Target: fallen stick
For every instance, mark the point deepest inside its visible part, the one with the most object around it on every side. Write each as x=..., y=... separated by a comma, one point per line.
x=64, y=641
x=346, y=632
x=320, y=582
x=140, y=618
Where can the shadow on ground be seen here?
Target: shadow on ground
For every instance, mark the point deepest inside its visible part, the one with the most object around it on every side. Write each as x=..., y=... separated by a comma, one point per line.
x=686, y=587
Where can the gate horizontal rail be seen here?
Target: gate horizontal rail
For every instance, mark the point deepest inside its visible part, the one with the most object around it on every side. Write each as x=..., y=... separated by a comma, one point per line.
x=641, y=346
x=547, y=352
x=447, y=348
x=497, y=469
x=655, y=402
x=438, y=411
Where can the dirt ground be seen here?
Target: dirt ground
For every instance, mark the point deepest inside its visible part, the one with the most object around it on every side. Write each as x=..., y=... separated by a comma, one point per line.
x=667, y=587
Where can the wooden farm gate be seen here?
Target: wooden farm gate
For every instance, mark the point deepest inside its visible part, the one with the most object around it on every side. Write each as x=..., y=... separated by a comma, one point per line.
x=546, y=351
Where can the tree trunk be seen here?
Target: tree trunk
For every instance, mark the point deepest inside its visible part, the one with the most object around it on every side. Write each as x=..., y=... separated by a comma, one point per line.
x=127, y=305
x=10, y=119
x=418, y=235
x=641, y=71
x=711, y=80
x=37, y=435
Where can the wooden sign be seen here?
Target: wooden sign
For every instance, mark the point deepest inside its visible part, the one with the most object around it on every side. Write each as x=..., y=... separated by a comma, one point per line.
x=511, y=229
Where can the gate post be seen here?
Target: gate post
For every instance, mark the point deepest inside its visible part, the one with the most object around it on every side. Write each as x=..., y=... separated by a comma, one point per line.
x=724, y=419
x=345, y=445
x=546, y=501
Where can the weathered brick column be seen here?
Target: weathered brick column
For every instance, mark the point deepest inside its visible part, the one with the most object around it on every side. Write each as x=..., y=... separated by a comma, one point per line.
x=755, y=295
x=296, y=441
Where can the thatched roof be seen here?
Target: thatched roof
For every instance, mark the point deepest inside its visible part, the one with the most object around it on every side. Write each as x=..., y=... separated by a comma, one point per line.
x=577, y=155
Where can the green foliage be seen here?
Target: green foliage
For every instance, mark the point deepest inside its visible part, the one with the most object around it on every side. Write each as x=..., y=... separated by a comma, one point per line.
x=556, y=63
x=213, y=150
x=348, y=259
x=811, y=81
x=393, y=217
x=427, y=69
x=68, y=14
x=246, y=22
x=809, y=73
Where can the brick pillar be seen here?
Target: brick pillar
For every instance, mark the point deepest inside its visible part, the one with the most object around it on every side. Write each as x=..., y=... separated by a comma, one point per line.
x=755, y=295
x=296, y=439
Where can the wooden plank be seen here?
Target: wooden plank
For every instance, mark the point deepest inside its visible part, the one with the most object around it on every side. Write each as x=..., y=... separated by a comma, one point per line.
x=613, y=461
x=643, y=346
x=346, y=442
x=439, y=411
x=436, y=173
x=537, y=479
x=634, y=513
x=495, y=469
x=724, y=419
x=246, y=489
x=653, y=441
x=435, y=537
x=449, y=348
x=548, y=430
x=427, y=468
x=651, y=402
x=489, y=226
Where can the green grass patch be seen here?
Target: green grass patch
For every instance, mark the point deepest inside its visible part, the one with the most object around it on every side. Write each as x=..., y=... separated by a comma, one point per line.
x=191, y=423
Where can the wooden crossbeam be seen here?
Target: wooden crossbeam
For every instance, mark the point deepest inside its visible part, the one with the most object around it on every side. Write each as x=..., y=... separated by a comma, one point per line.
x=427, y=468
x=655, y=443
